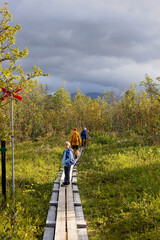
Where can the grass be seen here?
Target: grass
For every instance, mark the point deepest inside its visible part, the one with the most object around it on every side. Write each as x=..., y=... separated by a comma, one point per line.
x=119, y=182
x=36, y=167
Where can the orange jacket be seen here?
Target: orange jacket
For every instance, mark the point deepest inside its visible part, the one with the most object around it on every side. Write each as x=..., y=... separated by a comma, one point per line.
x=78, y=139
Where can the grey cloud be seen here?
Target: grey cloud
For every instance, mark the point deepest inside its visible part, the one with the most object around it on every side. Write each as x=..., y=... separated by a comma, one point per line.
x=100, y=44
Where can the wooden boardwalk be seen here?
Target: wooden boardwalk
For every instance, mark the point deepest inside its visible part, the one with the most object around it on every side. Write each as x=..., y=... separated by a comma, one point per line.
x=65, y=220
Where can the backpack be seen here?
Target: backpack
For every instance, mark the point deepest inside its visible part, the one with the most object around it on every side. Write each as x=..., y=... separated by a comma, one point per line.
x=72, y=160
x=75, y=138
x=82, y=133
x=67, y=154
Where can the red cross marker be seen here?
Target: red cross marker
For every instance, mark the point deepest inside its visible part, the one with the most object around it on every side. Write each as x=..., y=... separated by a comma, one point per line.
x=12, y=95
x=8, y=94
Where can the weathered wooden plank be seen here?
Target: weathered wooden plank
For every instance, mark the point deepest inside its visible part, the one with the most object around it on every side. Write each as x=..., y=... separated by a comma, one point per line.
x=50, y=224
x=76, y=197
x=71, y=220
x=75, y=190
x=54, y=196
x=48, y=233
x=82, y=234
x=74, y=180
x=79, y=214
x=74, y=183
x=81, y=224
x=51, y=217
x=75, y=187
x=62, y=178
x=57, y=181
x=71, y=172
x=55, y=190
x=54, y=203
x=77, y=204
x=60, y=231
x=74, y=174
x=56, y=185
x=76, y=225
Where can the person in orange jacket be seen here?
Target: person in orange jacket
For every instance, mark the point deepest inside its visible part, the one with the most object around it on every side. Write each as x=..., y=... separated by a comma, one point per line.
x=75, y=142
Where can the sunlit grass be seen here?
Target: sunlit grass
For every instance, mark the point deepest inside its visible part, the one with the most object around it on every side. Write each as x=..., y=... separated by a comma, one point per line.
x=119, y=183
x=36, y=167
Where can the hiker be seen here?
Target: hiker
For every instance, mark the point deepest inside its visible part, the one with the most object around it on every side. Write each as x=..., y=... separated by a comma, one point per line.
x=84, y=136
x=67, y=161
x=75, y=142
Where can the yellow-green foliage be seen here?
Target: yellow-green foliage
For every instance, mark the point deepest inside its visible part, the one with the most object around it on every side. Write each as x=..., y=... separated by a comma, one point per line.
x=11, y=74
x=36, y=168
x=119, y=182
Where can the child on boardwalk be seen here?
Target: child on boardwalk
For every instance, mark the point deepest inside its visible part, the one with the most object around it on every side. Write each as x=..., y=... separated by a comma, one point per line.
x=84, y=136
x=67, y=161
x=75, y=142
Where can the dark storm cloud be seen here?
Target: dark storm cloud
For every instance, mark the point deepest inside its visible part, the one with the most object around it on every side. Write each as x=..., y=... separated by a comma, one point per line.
x=94, y=44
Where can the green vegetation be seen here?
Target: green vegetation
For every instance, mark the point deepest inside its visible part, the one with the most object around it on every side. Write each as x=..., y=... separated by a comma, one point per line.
x=119, y=182
x=36, y=168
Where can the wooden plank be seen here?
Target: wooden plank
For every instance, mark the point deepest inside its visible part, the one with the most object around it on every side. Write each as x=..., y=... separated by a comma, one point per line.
x=80, y=217
x=51, y=224
x=56, y=185
x=55, y=190
x=75, y=190
x=62, y=178
x=79, y=214
x=60, y=231
x=76, y=197
x=75, y=218
x=71, y=220
x=81, y=224
x=75, y=187
x=51, y=217
x=48, y=233
x=57, y=181
x=77, y=204
x=74, y=180
x=82, y=234
x=54, y=203
x=54, y=197
x=71, y=172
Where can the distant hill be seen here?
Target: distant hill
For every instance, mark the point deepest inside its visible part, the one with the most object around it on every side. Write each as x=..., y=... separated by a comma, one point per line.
x=90, y=94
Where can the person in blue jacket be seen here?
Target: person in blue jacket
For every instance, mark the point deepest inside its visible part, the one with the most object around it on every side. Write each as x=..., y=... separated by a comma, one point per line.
x=84, y=136
x=67, y=161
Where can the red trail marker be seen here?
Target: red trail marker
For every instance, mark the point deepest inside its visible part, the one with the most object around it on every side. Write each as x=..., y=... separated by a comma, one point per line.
x=8, y=94
x=12, y=94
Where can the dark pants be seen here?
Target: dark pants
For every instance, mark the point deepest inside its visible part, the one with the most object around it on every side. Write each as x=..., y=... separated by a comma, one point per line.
x=67, y=174
x=75, y=150
x=83, y=141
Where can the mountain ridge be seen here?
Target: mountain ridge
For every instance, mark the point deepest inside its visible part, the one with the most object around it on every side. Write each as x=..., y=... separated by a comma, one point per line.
x=93, y=95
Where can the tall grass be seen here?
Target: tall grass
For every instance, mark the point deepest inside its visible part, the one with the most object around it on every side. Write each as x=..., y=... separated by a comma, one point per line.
x=119, y=182
x=36, y=167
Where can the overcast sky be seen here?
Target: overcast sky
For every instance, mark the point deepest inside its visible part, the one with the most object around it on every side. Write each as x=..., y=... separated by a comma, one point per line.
x=94, y=45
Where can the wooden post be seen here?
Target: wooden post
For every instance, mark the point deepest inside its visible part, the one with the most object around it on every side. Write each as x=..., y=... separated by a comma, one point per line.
x=3, y=153
x=12, y=142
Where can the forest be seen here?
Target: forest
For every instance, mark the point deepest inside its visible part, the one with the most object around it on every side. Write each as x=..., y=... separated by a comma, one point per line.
x=40, y=113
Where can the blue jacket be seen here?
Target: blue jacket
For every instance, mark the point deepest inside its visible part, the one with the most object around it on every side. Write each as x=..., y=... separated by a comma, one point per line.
x=68, y=158
x=85, y=134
